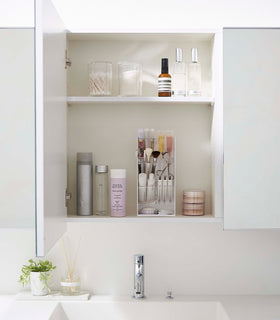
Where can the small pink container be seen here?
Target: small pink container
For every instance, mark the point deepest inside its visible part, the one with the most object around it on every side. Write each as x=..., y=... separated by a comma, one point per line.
x=118, y=192
x=193, y=203
x=194, y=209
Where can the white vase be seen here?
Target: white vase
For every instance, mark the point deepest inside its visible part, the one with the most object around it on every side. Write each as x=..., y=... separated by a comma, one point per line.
x=38, y=287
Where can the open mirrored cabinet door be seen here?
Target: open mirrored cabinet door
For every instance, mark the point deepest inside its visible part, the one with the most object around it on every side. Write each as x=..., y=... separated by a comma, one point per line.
x=51, y=112
x=17, y=168
x=251, y=128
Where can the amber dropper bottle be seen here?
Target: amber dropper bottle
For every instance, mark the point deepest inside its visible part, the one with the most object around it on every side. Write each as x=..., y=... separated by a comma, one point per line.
x=164, y=80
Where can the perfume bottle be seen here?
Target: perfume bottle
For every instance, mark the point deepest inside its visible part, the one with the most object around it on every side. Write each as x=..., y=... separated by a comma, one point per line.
x=179, y=75
x=194, y=75
x=164, y=80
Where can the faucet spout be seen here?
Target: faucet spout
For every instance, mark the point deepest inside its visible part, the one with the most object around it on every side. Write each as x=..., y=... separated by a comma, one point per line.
x=138, y=290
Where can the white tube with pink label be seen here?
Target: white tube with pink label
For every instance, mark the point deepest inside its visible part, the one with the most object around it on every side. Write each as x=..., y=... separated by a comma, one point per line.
x=118, y=192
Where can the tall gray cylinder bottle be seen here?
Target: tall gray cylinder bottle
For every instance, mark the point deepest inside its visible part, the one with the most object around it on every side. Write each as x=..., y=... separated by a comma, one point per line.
x=84, y=184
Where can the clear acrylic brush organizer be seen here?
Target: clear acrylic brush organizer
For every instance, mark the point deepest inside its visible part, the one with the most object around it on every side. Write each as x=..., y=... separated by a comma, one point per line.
x=156, y=187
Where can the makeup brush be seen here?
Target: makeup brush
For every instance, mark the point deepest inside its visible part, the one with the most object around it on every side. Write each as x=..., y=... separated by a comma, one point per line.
x=155, y=155
x=148, y=152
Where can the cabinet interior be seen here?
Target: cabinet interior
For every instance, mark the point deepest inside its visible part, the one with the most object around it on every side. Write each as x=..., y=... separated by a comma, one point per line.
x=109, y=129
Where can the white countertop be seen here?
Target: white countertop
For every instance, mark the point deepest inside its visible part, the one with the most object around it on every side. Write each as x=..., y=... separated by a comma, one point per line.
x=25, y=310
x=237, y=307
x=251, y=307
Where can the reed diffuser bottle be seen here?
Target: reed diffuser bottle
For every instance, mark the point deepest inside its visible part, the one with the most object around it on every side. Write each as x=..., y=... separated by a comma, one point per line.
x=70, y=283
x=164, y=80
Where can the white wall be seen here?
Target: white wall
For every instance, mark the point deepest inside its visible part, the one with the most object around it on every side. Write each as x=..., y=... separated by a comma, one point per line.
x=166, y=14
x=16, y=13
x=187, y=258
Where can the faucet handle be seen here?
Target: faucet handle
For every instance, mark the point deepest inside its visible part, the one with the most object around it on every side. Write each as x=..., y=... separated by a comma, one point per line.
x=138, y=259
x=169, y=295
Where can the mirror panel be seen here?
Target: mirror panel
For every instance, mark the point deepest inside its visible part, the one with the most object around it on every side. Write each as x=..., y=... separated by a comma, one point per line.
x=17, y=161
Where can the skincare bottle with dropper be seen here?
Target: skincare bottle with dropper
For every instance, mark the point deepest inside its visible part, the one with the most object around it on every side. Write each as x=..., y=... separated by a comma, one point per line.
x=179, y=75
x=164, y=80
x=194, y=75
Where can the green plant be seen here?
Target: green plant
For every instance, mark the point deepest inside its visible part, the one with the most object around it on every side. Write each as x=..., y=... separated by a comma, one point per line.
x=40, y=266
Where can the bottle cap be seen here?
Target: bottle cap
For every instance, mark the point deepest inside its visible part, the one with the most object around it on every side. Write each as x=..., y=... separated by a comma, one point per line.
x=101, y=168
x=141, y=133
x=164, y=65
x=118, y=173
x=194, y=193
x=146, y=133
x=194, y=196
x=152, y=133
x=179, y=55
x=194, y=55
x=138, y=258
x=84, y=157
x=169, y=133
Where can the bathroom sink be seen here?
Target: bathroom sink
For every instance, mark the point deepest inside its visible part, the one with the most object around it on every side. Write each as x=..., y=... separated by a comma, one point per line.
x=140, y=310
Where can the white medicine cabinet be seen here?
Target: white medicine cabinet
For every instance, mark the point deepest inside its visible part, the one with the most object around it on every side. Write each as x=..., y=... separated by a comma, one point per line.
x=68, y=120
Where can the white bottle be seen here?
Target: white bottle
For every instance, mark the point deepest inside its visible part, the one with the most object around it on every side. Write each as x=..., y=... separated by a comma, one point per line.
x=194, y=75
x=84, y=184
x=179, y=75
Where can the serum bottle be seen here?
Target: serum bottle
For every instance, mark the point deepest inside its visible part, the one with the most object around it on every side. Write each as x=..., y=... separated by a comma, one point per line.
x=179, y=75
x=194, y=75
x=164, y=80
x=118, y=192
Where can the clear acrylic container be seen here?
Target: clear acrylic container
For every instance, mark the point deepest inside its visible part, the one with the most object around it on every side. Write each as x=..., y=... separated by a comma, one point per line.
x=156, y=178
x=130, y=79
x=146, y=194
x=100, y=78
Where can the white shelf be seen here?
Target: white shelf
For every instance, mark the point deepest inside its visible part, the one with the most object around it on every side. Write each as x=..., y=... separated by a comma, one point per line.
x=142, y=35
x=190, y=100
x=135, y=219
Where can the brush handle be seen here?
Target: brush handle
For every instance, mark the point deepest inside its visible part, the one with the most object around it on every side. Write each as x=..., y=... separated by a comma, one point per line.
x=159, y=193
x=148, y=169
x=154, y=165
x=170, y=189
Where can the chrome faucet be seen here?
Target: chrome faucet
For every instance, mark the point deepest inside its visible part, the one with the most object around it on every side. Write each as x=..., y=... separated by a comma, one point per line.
x=138, y=290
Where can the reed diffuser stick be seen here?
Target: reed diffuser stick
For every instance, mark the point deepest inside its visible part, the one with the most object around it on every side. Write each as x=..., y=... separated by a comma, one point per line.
x=65, y=256
x=74, y=262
